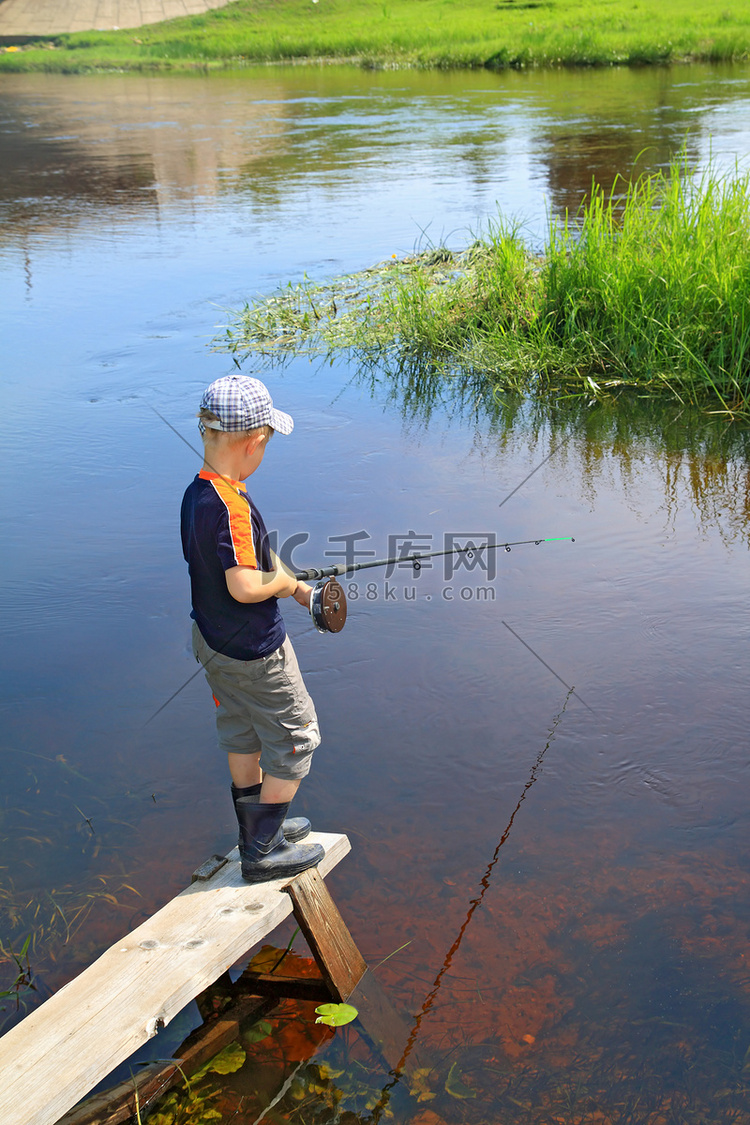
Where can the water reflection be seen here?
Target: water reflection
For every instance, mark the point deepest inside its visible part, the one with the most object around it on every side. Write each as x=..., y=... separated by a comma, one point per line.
x=139, y=146
x=697, y=459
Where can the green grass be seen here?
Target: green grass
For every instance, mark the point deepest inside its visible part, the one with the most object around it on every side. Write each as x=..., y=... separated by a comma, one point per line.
x=649, y=291
x=418, y=33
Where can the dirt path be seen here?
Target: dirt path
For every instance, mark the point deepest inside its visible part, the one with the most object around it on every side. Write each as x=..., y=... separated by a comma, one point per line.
x=51, y=17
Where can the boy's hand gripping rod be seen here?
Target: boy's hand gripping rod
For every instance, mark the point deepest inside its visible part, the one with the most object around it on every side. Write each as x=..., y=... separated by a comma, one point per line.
x=328, y=601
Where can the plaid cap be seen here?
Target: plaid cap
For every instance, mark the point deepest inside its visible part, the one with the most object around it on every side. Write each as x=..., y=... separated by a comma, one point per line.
x=241, y=403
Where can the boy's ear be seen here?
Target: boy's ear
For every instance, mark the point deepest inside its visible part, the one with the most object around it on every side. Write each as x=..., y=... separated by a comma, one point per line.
x=254, y=440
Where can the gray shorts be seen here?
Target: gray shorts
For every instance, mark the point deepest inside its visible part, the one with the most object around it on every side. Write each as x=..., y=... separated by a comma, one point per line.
x=262, y=706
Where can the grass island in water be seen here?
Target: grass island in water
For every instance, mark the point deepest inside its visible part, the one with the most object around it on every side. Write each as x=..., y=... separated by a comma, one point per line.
x=407, y=33
x=648, y=291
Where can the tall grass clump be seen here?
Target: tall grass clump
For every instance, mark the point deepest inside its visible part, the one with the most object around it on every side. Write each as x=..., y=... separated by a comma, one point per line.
x=650, y=290
x=646, y=289
x=654, y=289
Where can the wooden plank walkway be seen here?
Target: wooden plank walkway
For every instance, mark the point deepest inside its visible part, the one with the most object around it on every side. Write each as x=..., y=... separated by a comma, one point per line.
x=63, y=1049
x=31, y=18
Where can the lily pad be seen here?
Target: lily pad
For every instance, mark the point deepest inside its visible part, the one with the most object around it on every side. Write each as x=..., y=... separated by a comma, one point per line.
x=227, y=1061
x=335, y=1015
x=258, y=1032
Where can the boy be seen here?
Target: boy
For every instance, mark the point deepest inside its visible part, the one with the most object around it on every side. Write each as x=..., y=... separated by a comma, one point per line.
x=265, y=719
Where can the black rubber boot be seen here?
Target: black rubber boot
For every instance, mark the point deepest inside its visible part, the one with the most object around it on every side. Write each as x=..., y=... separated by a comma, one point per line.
x=266, y=853
x=294, y=827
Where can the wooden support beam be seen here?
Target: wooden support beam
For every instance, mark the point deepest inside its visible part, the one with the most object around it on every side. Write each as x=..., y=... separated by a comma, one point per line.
x=284, y=988
x=67, y=1046
x=332, y=946
x=120, y=1103
x=345, y=972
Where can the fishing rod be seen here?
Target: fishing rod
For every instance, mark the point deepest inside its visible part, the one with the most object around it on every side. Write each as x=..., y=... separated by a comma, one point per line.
x=313, y=573
x=328, y=601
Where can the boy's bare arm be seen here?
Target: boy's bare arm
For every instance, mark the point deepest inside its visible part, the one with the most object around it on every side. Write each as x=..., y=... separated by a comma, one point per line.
x=303, y=594
x=246, y=584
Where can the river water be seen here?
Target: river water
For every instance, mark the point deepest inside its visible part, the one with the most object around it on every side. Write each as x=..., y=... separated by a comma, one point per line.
x=540, y=762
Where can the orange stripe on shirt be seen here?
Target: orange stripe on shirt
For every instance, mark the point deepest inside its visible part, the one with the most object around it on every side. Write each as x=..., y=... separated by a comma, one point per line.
x=240, y=522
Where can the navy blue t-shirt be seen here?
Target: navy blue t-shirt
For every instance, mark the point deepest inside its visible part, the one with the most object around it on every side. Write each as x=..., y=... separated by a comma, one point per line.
x=221, y=528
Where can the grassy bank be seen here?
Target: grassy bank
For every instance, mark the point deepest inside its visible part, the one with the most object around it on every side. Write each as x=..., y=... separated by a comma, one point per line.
x=419, y=33
x=651, y=292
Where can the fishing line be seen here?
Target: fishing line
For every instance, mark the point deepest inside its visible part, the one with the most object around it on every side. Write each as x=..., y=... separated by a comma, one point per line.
x=182, y=688
x=536, y=470
x=343, y=569
x=473, y=905
x=552, y=670
x=182, y=438
x=190, y=679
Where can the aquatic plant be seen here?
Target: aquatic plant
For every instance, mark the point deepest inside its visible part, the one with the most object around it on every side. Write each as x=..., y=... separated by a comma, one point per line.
x=335, y=1015
x=196, y=1102
x=647, y=290
x=24, y=977
x=53, y=922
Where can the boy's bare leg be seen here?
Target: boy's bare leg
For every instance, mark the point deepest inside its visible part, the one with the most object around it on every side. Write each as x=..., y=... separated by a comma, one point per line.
x=245, y=769
x=277, y=790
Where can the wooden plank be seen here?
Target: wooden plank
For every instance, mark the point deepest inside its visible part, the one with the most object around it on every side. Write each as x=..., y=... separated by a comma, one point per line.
x=67, y=1046
x=208, y=868
x=338, y=958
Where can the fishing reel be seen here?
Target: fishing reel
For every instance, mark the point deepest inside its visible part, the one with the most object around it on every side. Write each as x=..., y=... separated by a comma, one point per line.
x=328, y=606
